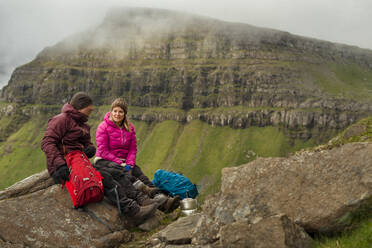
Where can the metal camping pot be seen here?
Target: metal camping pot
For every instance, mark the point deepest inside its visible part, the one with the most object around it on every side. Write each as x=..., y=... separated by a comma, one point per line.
x=189, y=206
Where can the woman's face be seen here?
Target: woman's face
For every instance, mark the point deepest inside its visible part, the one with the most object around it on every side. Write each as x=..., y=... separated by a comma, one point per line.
x=117, y=114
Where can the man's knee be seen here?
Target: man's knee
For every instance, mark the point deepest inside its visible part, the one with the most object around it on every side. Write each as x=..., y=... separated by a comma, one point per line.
x=108, y=180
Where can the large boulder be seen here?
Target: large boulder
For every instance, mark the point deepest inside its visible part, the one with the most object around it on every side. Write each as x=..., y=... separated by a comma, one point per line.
x=37, y=213
x=319, y=190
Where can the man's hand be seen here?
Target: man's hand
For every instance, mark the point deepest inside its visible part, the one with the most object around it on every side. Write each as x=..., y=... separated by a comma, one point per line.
x=90, y=151
x=61, y=174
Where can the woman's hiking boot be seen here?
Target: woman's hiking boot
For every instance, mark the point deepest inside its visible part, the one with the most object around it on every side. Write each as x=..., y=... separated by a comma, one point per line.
x=150, y=191
x=171, y=204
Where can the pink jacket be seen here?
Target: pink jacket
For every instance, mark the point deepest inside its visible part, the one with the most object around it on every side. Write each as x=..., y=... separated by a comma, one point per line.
x=114, y=143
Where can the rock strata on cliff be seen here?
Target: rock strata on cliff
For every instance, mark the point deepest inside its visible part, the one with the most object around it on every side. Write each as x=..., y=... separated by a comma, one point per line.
x=159, y=58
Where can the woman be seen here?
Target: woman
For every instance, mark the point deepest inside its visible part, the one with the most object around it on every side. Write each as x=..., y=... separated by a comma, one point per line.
x=117, y=148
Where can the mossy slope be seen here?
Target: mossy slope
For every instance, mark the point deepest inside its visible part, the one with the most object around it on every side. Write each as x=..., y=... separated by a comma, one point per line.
x=196, y=149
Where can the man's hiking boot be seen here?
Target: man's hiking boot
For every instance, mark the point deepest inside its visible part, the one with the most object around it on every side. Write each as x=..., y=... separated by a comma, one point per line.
x=159, y=199
x=171, y=204
x=145, y=212
x=144, y=200
x=147, y=201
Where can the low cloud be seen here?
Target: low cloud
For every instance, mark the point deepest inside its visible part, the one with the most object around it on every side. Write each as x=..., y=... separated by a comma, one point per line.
x=28, y=26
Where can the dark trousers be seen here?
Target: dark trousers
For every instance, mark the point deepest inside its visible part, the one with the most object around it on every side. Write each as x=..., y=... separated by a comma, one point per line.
x=137, y=174
x=115, y=177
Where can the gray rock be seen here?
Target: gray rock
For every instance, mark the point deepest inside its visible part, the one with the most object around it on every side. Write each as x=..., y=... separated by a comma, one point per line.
x=356, y=130
x=205, y=232
x=35, y=214
x=30, y=184
x=152, y=223
x=271, y=232
x=317, y=190
x=179, y=232
x=10, y=245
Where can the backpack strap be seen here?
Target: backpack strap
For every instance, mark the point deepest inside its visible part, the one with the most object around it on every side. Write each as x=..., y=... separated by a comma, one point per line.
x=94, y=216
x=117, y=198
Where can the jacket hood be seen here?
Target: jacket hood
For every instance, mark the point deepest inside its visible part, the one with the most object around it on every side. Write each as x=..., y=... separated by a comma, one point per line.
x=74, y=113
x=108, y=121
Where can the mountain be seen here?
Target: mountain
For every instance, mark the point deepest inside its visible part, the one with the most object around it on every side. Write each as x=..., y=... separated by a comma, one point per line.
x=160, y=58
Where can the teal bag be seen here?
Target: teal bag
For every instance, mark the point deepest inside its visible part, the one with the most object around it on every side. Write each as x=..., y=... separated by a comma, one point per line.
x=175, y=184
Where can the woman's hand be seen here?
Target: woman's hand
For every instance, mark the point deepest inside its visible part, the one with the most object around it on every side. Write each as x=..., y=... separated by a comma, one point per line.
x=127, y=168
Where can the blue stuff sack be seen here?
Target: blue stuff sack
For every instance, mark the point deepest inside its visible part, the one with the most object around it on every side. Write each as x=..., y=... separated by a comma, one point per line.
x=175, y=184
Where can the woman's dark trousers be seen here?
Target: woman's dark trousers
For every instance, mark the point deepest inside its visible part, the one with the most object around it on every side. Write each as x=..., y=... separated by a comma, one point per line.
x=115, y=178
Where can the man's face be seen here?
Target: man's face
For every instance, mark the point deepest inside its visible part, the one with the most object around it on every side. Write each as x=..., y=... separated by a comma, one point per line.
x=87, y=110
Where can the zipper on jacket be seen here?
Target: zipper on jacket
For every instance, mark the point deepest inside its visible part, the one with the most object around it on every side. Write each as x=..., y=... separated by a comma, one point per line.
x=121, y=136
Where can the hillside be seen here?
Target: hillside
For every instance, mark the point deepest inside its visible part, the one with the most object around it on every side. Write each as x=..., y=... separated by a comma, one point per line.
x=197, y=149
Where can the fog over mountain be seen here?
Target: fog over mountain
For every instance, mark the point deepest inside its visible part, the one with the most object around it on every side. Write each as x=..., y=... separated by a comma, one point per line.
x=28, y=26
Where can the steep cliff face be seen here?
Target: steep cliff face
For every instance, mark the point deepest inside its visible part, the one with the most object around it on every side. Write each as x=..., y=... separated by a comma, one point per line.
x=159, y=58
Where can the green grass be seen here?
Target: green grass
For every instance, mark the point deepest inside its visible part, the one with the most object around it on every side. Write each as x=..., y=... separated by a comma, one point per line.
x=156, y=146
x=358, y=132
x=21, y=155
x=359, y=237
x=347, y=81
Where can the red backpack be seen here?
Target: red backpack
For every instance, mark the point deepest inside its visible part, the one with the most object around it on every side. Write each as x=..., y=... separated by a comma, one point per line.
x=85, y=183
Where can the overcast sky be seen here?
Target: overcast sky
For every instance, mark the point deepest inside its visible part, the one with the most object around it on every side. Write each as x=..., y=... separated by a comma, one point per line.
x=27, y=26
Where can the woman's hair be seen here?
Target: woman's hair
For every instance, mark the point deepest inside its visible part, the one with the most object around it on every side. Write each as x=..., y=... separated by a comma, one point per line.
x=120, y=102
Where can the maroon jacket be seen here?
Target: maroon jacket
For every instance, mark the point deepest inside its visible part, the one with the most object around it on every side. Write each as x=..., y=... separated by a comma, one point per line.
x=69, y=128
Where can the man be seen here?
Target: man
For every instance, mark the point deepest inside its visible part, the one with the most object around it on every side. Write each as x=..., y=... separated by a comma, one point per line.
x=68, y=131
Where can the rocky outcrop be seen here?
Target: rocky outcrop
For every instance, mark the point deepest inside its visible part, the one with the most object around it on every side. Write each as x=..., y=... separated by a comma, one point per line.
x=320, y=191
x=37, y=213
x=13, y=116
x=243, y=117
x=297, y=123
